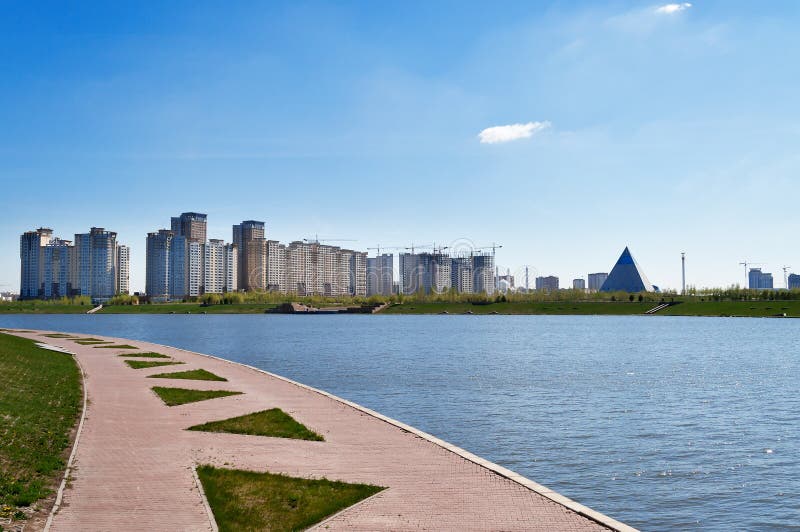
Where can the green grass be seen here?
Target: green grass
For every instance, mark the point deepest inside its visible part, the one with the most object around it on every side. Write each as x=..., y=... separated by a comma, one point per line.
x=188, y=308
x=753, y=309
x=60, y=335
x=274, y=422
x=246, y=500
x=90, y=341
x=120, y=346
x=181, y=396
x=525, y=307
x=42, y=307
x=40, y=400
x=194, y=375
x=141, y=364
x=143, y=355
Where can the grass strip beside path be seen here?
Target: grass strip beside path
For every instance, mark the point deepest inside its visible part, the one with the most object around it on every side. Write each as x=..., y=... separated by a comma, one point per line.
x=143, y=355
x=274, y=422
x=121, y=346
x=181, y=396
x=40, y=400
x=245, y=500
x=141, y=364
x=192, y=375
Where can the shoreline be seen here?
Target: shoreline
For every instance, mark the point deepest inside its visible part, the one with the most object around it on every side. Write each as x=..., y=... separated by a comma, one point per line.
x=381, y=429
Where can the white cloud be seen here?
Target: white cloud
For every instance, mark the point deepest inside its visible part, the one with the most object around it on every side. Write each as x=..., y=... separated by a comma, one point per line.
x=669, y=9
x=497, y=134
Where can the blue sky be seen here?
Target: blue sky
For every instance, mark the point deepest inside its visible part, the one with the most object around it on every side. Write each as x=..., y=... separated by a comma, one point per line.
x=667, y=130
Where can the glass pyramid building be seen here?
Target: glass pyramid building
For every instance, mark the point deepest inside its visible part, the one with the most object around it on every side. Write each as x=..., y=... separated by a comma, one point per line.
x=627, y=276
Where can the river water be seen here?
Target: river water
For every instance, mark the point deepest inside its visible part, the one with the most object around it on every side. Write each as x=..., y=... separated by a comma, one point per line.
x=661, y=422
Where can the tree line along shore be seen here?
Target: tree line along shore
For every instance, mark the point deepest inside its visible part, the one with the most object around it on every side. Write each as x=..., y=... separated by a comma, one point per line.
x=721, y=302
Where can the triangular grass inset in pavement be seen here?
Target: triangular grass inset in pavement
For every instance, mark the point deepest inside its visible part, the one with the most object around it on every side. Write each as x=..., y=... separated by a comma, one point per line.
x=90, y=341
x=181, y=396
x=141, y=364
x=274, y=422
x=121, y=346
x=143, y=355
x=192, y=375
x=245, y=500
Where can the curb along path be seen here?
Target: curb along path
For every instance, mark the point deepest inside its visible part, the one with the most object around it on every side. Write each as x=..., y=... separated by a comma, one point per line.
x=134, y=462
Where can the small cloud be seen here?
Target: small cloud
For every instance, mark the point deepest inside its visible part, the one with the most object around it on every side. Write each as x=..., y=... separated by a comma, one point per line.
x=669, y=9
x=498, y=134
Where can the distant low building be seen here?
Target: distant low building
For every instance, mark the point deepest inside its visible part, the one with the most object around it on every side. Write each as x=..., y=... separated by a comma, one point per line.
x=508, y=278
x=596, y=281
x=547, y=284
x=579, y=284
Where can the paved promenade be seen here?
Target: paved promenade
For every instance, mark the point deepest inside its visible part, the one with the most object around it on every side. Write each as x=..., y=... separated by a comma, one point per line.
x=134, y=458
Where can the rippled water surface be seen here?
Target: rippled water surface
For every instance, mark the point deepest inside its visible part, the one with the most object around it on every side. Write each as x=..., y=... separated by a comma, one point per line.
x=664, y=423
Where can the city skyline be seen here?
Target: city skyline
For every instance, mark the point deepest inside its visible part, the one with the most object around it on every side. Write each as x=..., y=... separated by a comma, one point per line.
x=251, y=250
x=563, y=132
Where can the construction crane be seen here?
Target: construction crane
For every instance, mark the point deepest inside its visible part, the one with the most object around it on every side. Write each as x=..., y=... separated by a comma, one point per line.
x=379, y=248
x=785, y=278
x=412, y=247
x=317, y=240
x=747, y=263
x=495, y=246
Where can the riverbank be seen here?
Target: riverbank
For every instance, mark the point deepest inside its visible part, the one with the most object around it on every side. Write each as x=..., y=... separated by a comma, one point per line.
x=141, y=450
x=40, y=394
x=755, y=309
x=688, y=307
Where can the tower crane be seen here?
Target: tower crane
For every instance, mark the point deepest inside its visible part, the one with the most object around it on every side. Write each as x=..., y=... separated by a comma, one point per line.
x=317, y=240
x=379, y=248
x=747, y=263
x=785, y=278
x=495, y=246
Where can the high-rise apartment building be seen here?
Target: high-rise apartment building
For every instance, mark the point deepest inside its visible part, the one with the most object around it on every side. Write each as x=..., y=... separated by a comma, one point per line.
x=461, y=274
x=547, y=284
x=182, y=264
x=97, y=263
x=192, y=225
x=276, y=267
x=52, y=267
x=220, y=267
x=123, y=269
x=426, y=272
x=58, y=269
x=579, y=284
x=596, y=281
x=483, y=273
x=249, y=238
x=380, y=275
x=793, y=282
x=158, y=279
x=759, y=280
x=358, y=273
x=438, y=272
x=311, y=268
x=32, y=262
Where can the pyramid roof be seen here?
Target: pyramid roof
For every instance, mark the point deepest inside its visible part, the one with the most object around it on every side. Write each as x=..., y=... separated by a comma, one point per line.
x=627, y=276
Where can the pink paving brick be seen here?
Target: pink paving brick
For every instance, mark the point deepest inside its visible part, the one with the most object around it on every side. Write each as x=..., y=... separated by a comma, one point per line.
x=133, y=465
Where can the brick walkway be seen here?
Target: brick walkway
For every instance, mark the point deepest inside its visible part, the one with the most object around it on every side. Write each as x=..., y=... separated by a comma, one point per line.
x=133, y=466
